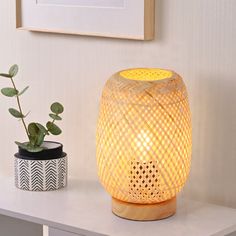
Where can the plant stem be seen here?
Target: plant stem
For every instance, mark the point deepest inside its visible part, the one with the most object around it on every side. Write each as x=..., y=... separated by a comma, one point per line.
x=19, y=106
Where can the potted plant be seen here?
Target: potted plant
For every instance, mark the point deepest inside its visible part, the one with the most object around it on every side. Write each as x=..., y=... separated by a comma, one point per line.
x=39, y=165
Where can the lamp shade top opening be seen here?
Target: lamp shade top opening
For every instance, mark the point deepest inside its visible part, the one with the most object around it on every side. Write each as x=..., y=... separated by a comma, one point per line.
x=146, y=74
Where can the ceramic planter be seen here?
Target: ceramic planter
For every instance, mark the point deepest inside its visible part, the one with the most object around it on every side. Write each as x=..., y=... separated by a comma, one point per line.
x=42, y=171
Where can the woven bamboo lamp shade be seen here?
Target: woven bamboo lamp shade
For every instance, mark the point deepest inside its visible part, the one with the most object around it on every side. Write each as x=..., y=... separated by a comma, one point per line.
x=144, y=142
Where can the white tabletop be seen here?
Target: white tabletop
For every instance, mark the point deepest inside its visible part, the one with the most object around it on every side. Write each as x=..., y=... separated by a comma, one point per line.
x=84, y=207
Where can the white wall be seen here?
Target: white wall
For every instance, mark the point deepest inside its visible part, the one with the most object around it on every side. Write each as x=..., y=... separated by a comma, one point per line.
x=196, y=38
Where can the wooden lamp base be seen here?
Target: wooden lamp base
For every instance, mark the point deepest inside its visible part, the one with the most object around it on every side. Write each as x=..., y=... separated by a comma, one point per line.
x=144, y=212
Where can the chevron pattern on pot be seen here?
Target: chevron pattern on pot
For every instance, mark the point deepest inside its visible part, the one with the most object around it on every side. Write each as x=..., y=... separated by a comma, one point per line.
x=41, y=175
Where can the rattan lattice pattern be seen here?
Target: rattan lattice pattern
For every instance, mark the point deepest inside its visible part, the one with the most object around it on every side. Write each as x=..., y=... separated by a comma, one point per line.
x=144, y=138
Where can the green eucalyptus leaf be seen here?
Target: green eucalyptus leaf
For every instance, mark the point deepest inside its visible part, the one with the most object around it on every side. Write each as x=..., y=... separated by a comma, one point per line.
x=13, y=70
x=29, y=147
x=37, y=133
x=42, y=128
x=22, y=145
x=55, y=117
x=53, y=129
x=33, y=129
x=33, y=140
x=15, y=113
x=23, y=91
x=9, y=92
x=5, y=75
x=40, y=138
x=57, y=108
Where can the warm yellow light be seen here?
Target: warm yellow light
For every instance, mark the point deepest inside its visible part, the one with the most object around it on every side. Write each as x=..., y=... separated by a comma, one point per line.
x=144, y=136
x=146, y=74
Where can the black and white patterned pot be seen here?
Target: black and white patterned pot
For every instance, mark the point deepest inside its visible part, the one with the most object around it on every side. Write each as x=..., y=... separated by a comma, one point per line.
x=44, y=171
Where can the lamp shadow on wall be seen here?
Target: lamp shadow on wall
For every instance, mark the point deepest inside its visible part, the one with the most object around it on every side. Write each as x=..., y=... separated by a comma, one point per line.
x=213, y=172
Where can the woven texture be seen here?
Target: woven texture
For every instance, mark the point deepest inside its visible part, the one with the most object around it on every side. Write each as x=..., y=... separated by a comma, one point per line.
x=144, y=138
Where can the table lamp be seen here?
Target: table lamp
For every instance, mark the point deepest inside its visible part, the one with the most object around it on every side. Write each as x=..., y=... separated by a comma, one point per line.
x=144, y=142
